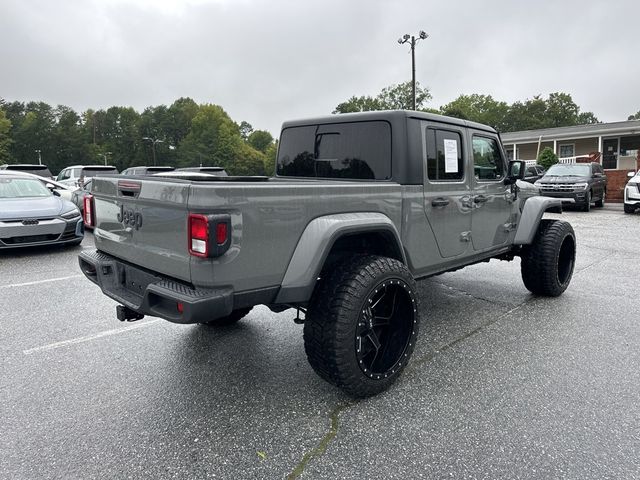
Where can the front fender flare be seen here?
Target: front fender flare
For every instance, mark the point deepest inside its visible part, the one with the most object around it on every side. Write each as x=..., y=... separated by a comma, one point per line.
x=315, y=244
x=532, y=213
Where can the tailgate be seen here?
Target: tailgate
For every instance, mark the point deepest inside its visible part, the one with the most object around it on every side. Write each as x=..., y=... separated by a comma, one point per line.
x=144, y=222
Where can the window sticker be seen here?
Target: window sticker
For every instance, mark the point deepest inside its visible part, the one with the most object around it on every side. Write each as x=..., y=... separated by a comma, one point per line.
x=450, y=156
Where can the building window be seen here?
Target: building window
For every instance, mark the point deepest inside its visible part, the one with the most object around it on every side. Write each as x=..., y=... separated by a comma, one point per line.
x=568, y=150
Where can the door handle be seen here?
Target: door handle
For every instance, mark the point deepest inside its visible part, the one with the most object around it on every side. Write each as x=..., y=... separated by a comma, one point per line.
x=480, y=199
x=440, y=202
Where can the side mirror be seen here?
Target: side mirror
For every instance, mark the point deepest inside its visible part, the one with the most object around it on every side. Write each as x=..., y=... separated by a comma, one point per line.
x=50, y=186
x=631, y=174
x=597, y=175
x=516, y=171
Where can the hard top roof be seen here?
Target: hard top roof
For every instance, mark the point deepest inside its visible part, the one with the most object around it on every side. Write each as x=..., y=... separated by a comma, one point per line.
x=388, y=115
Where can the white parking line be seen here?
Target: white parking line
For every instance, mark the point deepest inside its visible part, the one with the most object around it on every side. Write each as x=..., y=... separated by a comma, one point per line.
x=88, y=338
x=26, y=284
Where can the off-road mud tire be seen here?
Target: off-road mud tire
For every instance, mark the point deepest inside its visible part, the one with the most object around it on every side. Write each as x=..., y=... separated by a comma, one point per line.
x=547, y=264
x=335, y=322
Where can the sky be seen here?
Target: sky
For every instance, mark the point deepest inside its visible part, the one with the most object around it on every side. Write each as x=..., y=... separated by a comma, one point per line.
x=266, y=62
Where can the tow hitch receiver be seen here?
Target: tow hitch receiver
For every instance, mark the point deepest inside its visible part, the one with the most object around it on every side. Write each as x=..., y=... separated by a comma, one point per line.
x=125, y=314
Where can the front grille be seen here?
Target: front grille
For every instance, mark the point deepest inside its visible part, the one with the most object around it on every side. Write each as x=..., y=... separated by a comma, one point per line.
x=557, y=187
x=30, y=239
x=69, y=232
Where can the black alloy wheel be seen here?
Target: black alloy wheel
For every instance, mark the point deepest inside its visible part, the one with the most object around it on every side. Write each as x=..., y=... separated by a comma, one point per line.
x=385, y=329
x=362, y=324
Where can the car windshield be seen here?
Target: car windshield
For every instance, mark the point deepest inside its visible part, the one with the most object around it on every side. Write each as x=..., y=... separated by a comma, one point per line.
x=563, y=170
x=22, y=188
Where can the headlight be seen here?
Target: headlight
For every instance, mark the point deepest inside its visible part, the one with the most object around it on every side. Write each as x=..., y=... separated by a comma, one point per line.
x=580, y=186
x=538, y=183
x=71, y=215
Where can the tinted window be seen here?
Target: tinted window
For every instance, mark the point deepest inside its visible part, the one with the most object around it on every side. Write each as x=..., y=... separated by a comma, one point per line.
x=444, y=155
x=487, y=160
x=531, y=171
x=359, y=150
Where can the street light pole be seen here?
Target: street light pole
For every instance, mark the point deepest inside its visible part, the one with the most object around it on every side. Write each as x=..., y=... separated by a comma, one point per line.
x=412, y=40
x=104, y=155
x=39, y=156
x=153, y=146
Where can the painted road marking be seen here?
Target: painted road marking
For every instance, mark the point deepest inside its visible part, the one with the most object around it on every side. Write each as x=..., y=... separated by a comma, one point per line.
x=89, y=338
x=37, y=282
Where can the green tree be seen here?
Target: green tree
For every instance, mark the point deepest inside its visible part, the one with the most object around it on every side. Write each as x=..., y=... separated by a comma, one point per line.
x=634, y=117
x=270, y=159
x=214, y=139
x=245, y=130
x=358, y=104
x=478, y=108
x=400, y=97
x=5, y=138
x=394, y=97
x=260, y=140
x=547, y=158
x=586, y=118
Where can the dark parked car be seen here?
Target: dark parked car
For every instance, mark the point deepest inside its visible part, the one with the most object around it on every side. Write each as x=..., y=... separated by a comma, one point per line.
x=40, y=170
x=217, y=171
x=582, y=182
x=533, y=173
x=146, y=170
x=32, y=215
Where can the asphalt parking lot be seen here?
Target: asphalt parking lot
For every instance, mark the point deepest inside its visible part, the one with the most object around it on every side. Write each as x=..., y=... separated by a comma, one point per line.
x=502, y=384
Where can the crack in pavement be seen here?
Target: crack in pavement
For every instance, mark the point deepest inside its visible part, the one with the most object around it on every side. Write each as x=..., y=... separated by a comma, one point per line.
x=324, y=443
x=322, y=446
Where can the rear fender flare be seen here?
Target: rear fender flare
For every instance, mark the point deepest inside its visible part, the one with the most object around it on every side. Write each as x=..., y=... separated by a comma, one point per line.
x=315, y=244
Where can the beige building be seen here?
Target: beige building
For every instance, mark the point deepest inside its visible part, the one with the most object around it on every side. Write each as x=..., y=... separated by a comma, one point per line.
x=615, y=145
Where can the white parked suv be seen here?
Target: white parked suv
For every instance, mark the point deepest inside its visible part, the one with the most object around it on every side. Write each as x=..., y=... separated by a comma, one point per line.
x=76, y=175
x=632, y=193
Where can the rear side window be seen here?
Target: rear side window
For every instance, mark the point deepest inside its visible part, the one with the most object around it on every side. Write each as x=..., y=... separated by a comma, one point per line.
x=487, y=160
x=357, y=150
x=444, y=155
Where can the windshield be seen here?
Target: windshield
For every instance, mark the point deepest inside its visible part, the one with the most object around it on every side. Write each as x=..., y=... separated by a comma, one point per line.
x=565, y=170
x=22, y=188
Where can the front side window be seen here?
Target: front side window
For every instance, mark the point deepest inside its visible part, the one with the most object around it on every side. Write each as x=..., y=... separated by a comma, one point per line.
x=358, y=150
x=487, y=159
x=445, y=160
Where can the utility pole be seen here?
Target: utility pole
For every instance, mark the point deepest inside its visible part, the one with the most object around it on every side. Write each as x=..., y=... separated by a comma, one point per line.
x=412, y=40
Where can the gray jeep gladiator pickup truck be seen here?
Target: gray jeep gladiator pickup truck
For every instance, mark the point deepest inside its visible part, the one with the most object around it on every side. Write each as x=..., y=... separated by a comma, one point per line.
x=360, y=207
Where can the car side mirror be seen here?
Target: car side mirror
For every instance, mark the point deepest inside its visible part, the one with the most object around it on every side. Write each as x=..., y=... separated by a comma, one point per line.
x=631, y=174
x=515, y=172
x=597, y=175
x=55, y=192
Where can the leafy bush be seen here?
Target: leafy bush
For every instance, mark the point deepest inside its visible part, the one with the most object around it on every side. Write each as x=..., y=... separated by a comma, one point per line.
x=547, y=158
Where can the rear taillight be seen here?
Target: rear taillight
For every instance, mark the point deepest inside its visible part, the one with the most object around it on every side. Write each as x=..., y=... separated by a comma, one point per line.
x=89, y=211
x=209, y=235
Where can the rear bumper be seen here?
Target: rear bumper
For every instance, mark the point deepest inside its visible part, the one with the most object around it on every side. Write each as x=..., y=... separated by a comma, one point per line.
x=147, y=293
